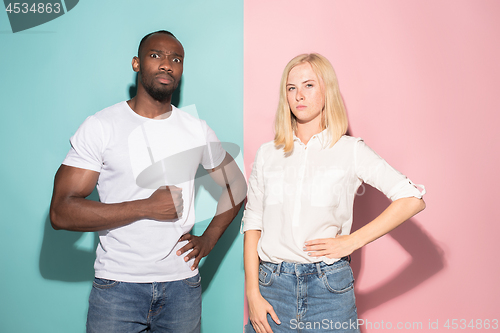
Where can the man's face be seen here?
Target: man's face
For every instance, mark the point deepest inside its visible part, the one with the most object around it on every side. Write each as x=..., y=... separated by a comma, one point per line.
x=160, y=65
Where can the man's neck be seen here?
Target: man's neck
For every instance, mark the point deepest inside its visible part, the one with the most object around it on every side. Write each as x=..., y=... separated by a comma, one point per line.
x=145, y=106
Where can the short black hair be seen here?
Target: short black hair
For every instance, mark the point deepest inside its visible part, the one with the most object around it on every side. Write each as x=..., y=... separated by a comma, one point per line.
x=143, y=40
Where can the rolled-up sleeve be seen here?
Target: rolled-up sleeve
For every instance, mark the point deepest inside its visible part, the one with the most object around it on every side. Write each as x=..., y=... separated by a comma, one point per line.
x=252, y=216
x=375, y=171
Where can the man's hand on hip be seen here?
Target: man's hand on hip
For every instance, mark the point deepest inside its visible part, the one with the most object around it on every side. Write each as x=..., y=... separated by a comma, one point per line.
x=200, y=247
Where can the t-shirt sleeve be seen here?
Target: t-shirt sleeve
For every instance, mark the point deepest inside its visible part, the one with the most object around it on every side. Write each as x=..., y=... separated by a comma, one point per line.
x=86, y=146
x=213, y=153
x=374, y=170
x=254, y=209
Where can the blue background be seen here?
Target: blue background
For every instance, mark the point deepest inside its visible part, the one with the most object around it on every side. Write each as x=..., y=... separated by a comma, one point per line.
x=55, y=75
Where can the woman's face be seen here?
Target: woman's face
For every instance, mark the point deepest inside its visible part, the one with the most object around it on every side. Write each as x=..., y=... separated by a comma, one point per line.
x=305, y=94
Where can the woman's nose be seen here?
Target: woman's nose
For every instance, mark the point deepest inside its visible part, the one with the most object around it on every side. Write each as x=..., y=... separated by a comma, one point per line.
x=299, y=96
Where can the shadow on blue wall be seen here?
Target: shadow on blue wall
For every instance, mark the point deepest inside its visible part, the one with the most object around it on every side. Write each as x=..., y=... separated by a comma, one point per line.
x=62, y=260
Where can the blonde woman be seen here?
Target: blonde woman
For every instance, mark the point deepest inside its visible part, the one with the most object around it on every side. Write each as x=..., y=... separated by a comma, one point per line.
x=298, y=216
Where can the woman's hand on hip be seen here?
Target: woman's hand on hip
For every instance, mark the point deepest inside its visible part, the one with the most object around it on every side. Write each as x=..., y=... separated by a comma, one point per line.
x=333, y=248
x=258, y=308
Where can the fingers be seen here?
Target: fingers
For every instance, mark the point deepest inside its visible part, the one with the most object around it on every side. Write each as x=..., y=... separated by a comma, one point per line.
x=258, y=317
x=320, y=247
x=176, y=194
x=186, y=247
x=316, y=241
x=173, y=188
x=317, y=253
x=194, y=253
x=196, y=262
x=274, y=316
x=261, y=326
x=185, y=237
x=316, y=247
x=166, y=203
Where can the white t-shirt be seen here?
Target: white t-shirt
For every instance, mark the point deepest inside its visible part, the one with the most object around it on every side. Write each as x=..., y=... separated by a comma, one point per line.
x=310, y=194
x=135, y=155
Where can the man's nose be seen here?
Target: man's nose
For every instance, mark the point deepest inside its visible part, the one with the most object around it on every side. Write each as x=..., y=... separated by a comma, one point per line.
x=166, y=65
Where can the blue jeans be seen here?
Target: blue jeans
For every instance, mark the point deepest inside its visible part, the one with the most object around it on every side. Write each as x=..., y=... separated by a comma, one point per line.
x=167, y=307
x=309, y=297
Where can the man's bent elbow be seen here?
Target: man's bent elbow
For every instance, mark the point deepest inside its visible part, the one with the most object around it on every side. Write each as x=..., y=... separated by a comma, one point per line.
x=56, y=221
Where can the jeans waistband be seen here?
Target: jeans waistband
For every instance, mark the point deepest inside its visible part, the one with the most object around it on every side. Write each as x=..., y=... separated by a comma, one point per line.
x=306, y=269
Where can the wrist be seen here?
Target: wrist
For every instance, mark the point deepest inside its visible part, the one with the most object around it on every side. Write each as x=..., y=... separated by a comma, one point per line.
x=355, y=241
x=253, y=292
x=211, y=236
x=139, y=209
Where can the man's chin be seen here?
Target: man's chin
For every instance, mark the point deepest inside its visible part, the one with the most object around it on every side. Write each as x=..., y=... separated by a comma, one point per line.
x=161, y=96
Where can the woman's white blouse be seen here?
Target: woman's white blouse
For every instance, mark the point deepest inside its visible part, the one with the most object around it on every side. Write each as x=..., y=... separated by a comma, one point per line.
x=310, y=193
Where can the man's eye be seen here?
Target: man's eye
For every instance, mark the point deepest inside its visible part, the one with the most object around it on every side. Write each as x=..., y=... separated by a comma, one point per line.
x=155, y=55
x=177, y=60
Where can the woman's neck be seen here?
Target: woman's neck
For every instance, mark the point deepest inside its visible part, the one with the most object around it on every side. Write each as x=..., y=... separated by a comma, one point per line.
x=306, y=131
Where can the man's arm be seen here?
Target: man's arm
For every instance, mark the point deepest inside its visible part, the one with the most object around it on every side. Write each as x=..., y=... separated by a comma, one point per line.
x=229, y=177
x=70, y=210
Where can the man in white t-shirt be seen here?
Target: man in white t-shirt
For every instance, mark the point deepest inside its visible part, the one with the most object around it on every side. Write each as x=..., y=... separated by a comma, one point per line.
x=143, y=155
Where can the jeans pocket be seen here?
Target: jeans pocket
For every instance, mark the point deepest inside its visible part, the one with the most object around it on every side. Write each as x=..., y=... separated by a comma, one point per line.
x=104, y=284
x=339, y=281
x=194, y=281
x=265, y=275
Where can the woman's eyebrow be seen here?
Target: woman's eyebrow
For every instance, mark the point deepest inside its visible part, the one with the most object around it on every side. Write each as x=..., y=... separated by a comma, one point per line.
x=292, y=84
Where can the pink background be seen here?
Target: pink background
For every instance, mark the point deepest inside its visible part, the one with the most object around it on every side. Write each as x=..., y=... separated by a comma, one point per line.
x=420, y=79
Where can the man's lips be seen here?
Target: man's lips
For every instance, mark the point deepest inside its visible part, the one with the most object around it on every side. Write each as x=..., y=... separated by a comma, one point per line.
x=164, y=78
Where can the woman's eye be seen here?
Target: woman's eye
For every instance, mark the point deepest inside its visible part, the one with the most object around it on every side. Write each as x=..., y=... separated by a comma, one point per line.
x=309, y=85
x=291, y=88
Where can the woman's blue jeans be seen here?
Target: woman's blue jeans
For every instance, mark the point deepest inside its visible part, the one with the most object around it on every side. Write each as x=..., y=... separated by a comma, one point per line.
x=309, y=297
x=166, y=307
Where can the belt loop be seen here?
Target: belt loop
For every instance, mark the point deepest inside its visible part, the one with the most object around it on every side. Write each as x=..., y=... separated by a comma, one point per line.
x=278, y=269
x=318, y=267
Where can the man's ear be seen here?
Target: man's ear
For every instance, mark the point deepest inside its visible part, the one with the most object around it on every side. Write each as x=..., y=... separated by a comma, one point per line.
x=136, y=64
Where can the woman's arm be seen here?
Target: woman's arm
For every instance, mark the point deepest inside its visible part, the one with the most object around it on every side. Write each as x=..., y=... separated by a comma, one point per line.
x=341, y=246
x=258, y=307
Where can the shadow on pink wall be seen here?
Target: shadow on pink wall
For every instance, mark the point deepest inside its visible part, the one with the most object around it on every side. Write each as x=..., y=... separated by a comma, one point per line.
x=427, y=258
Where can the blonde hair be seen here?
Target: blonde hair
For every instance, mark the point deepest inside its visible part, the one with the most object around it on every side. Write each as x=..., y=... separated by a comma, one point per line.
x=333, y=116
